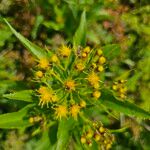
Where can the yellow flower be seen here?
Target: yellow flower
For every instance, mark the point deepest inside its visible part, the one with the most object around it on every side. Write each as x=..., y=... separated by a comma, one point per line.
x=84, y=55
x=54, y=58
x=83, y=140
x=65, y=51
x=70, y=85
x=102, y=130
x=102, y=60
x=97, y=137
x=74, y=111
x=43, y=63
x=45, y=98
x=89, y=134
x=42, y=89
x=96, y=94
x=96, y=85
x=80, y=66
x=93, y=78
x=114, y=87
x=61, y=111
x=99, y=52
x=82, y=104
x=86, y=49
x=39, y=74
x=100, y=68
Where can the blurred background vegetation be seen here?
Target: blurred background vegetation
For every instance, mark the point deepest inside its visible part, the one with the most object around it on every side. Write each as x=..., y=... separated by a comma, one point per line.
x=53, y=22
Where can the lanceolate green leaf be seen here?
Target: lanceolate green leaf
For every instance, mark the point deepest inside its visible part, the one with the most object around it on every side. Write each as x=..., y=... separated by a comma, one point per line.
x=80, y=34
x=125, y=107
x=25, y=95
x=65, y=125
x=34, y=49
x=16, y=119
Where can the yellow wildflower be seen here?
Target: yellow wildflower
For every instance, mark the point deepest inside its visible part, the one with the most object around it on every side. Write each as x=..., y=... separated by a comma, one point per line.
x=43, y=63
x=65, y=51
x=54, y=58
x=83, y=140
x=86, y=49
x=74, y=110
x=99, y=52
x=39, y=74
x=100, y=68
x=70, y=85
x=82, y=104
x=108, y=146
x=42, y=89
x=84, y=55
x=93, y=78
x=61, y=111
x=101, y=129
x=114, y=87
x=102, y=60
x=96, y=94
x=97, y=137
x=89, y=134
x=45, y=98
x=80, y=66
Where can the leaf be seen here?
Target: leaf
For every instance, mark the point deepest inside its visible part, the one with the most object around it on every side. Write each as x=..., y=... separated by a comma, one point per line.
x=38, y=22
x=80, y=34
x=44, y=142
x=111, y=51
x=34, y=49
x=63, y=133
x=15, y=120
x=25, y=95
x=125, y=107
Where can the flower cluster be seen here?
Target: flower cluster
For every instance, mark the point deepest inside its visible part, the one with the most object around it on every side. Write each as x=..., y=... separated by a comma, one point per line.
x=69, y=80
x=120, y=88
x=99, y=134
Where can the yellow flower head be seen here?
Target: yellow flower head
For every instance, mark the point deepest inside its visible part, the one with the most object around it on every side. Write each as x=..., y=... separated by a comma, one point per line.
x=99, y=52
x=43, y=63
x=54, y=58
x=82, y=104
x=102, y=60
x=93, y=78
x=80, y=66
x=39, y=74
x=45, y=98
x=100, y=68
x=42, y=89
x=86, y=49
x=83, y=140
x=74, y=110
x=61, y=111
x=96, y=94
x=65, y=51
x=70, y=85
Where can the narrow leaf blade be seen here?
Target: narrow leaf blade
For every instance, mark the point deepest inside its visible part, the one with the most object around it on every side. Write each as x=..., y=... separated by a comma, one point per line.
x=15, y=120
x=34, y=49
x=125, y=107
x=80, y=34
x=25, y=95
